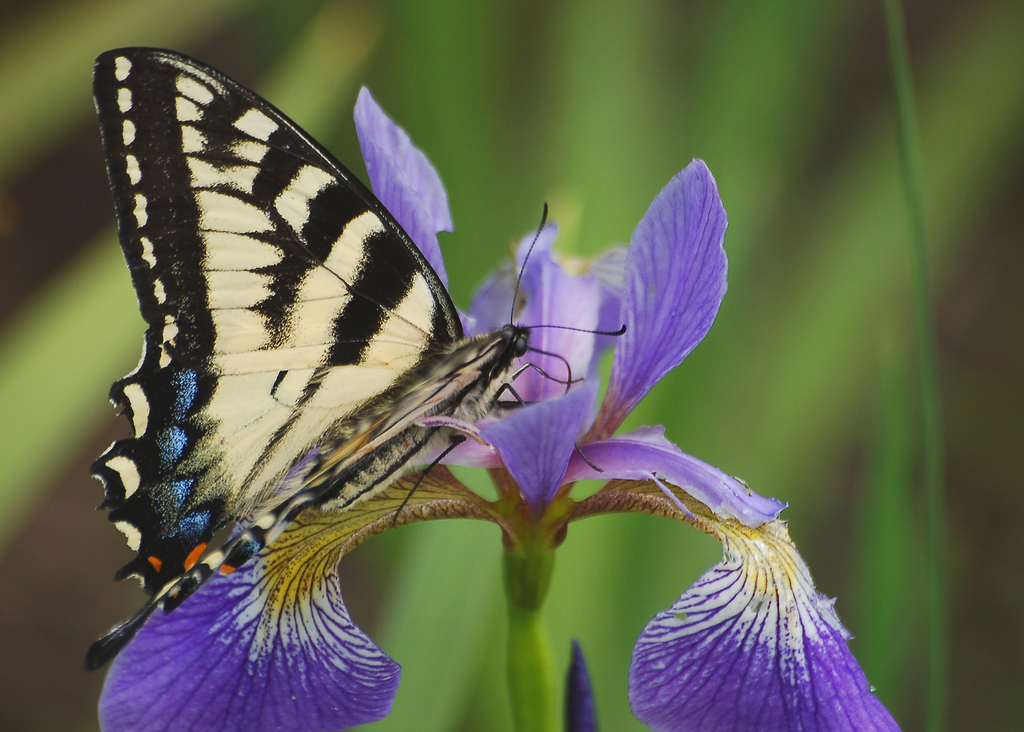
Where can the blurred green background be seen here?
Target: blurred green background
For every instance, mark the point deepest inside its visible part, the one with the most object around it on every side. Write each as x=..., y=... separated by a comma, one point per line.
x=805, y=386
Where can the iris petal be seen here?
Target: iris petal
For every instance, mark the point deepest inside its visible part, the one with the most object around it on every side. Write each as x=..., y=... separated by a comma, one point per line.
x=555, y=298
x=675, y=280
x=492, y=302
x=645, y=454
x=751, y=646
x=403, y=179
x=536, y=442
x=269, y=647
x=609, y=268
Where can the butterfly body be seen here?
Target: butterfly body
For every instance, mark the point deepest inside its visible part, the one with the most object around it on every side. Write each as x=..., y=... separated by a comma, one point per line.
x=296, y=337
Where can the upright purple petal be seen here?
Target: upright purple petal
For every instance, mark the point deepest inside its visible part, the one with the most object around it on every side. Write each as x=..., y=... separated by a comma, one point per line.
x=752, y=646
x=555, y=298
x=675, y=280
x=537, y=441
x=265, y=648
x=609, y=268
x=579, y=698
x=403, y=179
x=492, y=302
x=533, y=244
x=645, y=454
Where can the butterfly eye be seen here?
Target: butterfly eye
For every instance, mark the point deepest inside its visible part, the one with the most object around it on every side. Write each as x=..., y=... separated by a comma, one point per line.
x=520, y=345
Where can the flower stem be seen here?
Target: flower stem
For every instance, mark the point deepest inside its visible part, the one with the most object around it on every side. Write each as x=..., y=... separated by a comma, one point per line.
x=937, y=628
x=531, y=678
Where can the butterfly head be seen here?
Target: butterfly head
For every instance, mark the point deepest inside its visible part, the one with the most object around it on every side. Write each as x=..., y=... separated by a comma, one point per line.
x=502, y=348
x=520, y=342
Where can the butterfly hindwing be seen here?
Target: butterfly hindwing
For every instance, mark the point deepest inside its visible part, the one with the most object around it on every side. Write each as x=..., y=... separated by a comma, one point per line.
x=280, y=298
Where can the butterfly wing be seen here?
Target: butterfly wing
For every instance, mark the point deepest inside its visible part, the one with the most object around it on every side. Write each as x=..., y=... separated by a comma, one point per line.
x=280, y=298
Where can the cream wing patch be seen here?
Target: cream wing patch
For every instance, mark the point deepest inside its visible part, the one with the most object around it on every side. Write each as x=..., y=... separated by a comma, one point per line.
x=192, y=139
x=222, y=212
x=186, y=110
x=238, y=330
x=122, y=67
x=128, y=472
x=208, y=175
x=228, y=251
x=256, y=124
x=293, y=202
x=236, y=288
x=140, y=408
x=247, y=413
x=124, y=99
x=192, y=89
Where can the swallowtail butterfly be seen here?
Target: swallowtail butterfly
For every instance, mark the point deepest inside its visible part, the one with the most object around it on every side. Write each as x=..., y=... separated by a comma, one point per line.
x=287, y=313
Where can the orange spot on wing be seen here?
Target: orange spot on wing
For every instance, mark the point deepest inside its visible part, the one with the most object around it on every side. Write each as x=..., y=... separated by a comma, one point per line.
x=193, y=556
x=156, y=562
x=227, y=569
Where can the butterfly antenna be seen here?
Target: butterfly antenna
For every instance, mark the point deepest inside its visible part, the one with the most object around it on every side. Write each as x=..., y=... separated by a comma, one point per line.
x=613, y=333
x=522, y=269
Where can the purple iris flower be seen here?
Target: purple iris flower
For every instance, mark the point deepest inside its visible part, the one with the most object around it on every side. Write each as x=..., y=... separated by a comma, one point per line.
x=750, y=646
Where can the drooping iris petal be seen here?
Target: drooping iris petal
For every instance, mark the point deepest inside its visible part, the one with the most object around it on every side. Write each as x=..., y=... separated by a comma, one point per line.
x=752, y=646
x=403, y=179
x=269, y=647
x=675, y=280
x=579, y=698
x=645, y=454
x=536, y=442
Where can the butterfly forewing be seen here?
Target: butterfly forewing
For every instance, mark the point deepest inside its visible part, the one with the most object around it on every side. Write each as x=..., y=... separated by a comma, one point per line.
x=280, y=299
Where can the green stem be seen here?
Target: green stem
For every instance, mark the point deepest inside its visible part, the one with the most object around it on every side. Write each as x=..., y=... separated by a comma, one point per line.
x=938, y=663
x=531, y=677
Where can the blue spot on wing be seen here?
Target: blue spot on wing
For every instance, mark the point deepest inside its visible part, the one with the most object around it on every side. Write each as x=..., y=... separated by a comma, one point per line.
x=186, y=386
x=171, y=443
x=193, y=526
x=179, y=491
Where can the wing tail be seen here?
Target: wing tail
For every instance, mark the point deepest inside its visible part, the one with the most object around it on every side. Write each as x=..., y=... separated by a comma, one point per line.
x=104, y=649
x=233, y=554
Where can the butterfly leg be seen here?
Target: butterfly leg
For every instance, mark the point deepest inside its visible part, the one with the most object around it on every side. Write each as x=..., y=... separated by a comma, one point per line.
x=456, y=441
x=507, y=388
x=569, y=381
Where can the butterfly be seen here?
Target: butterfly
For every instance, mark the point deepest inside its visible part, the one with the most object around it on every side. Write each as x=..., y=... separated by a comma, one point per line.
x=300, y=350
